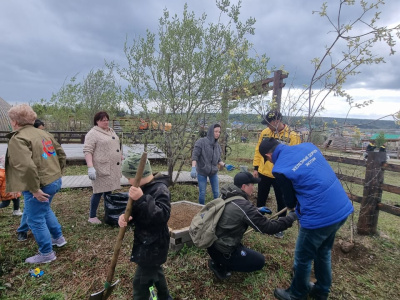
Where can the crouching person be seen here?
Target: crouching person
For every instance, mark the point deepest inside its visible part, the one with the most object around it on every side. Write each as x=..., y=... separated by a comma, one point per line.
x=150, y=213
x=227, y=252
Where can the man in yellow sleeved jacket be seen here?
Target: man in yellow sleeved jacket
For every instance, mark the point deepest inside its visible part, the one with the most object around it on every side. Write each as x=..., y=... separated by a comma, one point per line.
x=263, y=170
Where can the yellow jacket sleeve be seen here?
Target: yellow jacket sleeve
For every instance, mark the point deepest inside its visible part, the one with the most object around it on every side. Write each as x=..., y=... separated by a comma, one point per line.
x=285, y=136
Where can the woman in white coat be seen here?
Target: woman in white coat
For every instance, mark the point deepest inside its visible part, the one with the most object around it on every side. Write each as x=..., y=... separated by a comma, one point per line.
x=103, y=158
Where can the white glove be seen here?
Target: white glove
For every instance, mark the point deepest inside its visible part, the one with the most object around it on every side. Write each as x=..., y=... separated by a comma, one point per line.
x=92, y=173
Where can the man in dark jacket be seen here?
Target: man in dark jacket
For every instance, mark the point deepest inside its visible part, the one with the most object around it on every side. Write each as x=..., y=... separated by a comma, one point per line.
x=322, y=206
x=227, y=252
x=150, y=214
x=206, y=157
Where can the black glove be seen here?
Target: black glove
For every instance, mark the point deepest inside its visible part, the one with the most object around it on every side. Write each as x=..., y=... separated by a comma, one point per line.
x=292, y=216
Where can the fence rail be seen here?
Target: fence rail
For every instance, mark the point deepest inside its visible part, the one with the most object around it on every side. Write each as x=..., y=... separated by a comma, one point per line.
x=373, y=186
x=62, y=137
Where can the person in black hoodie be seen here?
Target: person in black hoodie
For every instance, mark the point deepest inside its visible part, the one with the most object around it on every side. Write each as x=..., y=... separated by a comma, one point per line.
x=227, y=252
x=206, y=157
x=150, y=214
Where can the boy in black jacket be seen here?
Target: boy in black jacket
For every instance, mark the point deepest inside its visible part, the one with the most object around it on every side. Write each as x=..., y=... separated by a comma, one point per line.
x=150, y=213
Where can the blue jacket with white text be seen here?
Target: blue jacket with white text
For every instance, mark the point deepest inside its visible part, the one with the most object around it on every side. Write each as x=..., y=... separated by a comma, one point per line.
x=322, y=201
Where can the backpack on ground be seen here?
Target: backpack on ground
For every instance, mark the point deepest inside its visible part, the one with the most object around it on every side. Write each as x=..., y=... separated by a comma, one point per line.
x=204, y=223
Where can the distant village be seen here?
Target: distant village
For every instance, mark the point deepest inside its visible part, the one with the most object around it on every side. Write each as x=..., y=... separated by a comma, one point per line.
x=333, y=133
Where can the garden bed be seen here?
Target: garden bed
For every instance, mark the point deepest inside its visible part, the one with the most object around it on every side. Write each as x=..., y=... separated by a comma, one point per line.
x=182, y=213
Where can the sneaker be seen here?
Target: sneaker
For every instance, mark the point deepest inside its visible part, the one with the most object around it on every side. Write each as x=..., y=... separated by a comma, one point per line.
x=94, y=220
x=279, y=235
x=221, y=274
x=17, y=212
x=58, y=242
x=41, y=259
x=22, y=236
x=282, y=294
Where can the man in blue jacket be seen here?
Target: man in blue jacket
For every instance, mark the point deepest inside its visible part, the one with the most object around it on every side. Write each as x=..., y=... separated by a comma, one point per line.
x=311, y=187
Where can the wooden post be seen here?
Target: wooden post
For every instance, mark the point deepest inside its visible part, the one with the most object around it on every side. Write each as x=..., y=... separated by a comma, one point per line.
x=277, y=88
x=58, y=137
x=372, y=195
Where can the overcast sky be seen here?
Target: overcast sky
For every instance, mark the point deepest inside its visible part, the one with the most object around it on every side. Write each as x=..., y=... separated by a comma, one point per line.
x=45, y=42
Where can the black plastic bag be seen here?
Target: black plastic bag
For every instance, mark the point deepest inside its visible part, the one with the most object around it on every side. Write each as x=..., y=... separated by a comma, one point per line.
x=114, y=206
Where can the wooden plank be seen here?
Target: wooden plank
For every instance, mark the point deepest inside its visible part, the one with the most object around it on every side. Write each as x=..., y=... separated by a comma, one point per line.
x=354, y=198
x=391, y=167
x=390, y=188
x=391, y=209
x=79, y=181
x=385, y=187
x=350, y=178
x=183, y=239
x=345, y=160
x=179, y=233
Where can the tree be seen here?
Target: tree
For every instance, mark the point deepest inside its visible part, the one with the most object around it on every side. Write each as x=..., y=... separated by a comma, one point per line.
x=380, y=139
x=82, y=100
x=351, y=48
x=188, y=70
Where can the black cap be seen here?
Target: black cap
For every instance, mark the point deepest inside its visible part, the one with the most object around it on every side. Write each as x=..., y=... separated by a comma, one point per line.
x=271, y=116
x=266, y=146
x=244, y=178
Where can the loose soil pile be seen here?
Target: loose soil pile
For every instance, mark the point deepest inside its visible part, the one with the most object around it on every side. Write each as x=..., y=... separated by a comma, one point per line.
x=182, y=215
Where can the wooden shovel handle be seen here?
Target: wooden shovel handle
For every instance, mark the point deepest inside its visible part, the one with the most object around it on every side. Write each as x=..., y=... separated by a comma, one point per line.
x=121, y=234
x=273, y=216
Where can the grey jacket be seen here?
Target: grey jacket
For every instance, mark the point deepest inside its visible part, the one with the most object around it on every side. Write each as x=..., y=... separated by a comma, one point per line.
x=207, y=154
x=238, y=215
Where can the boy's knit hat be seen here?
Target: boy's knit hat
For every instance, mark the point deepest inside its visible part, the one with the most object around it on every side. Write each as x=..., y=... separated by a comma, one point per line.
x=131, y=165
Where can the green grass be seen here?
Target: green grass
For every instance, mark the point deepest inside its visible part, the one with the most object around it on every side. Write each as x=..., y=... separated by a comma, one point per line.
x=369, y=271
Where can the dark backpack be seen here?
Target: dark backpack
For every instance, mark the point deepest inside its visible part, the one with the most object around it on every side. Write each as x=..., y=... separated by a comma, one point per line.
x=204, y=223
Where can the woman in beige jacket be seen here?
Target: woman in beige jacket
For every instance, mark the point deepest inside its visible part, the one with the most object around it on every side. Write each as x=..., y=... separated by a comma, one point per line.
x=103, y=158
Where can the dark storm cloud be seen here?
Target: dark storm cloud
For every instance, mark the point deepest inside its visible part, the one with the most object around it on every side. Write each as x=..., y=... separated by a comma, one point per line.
x=45, y=42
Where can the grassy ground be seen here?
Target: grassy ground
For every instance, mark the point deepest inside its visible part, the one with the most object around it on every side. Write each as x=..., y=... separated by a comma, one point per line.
x=369, y=271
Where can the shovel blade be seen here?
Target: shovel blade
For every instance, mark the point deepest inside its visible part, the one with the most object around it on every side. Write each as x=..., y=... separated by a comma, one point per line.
x=104, y=294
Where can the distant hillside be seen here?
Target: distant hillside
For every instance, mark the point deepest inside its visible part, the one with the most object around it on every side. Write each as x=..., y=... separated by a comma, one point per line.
x=363, y=124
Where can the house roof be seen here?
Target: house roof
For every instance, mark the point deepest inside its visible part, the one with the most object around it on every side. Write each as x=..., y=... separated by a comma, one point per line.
x=387, y=136
x=5, y=124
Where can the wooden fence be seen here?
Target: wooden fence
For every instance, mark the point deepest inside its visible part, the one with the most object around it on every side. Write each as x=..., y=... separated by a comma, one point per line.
x=62, y=137
x=372, y=189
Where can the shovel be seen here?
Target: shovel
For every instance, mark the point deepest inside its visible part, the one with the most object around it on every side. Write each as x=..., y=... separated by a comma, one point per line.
x=108, y=287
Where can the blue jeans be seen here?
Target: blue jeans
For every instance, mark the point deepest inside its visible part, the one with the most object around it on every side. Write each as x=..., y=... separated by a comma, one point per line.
x=23, y=226
x=313, y=245
x=94, y=203
x=202, y=181
x=41, y=219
